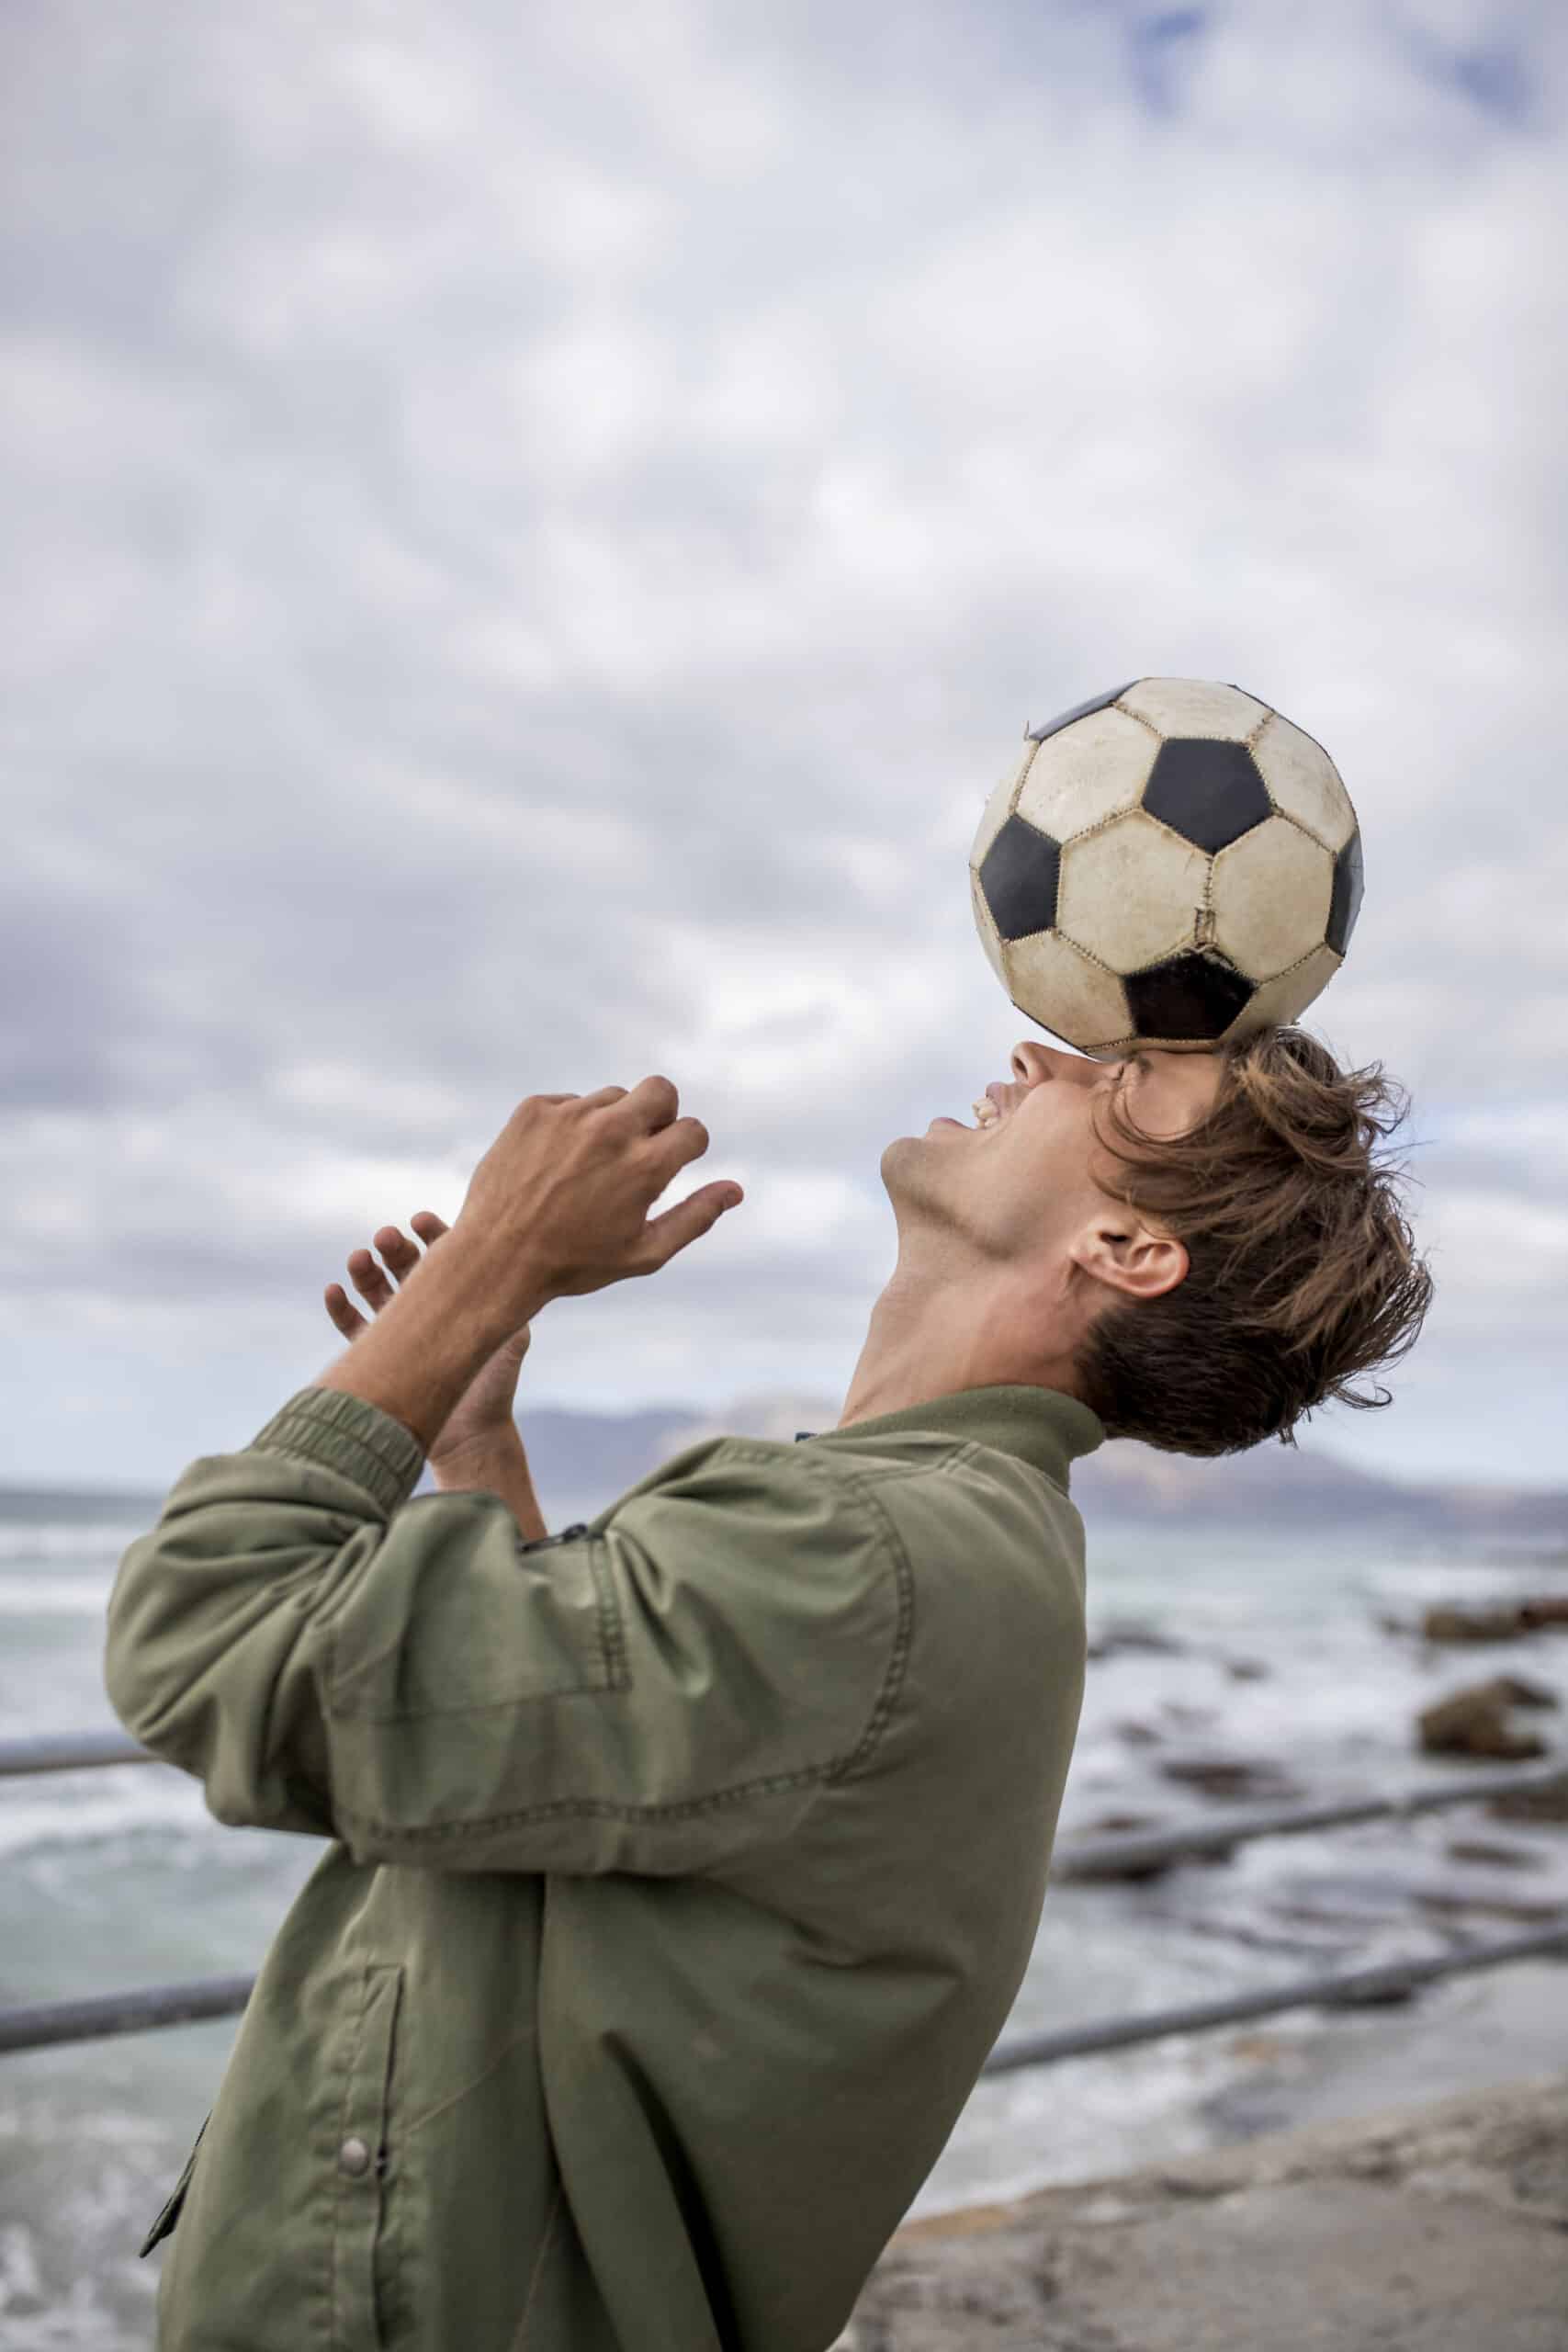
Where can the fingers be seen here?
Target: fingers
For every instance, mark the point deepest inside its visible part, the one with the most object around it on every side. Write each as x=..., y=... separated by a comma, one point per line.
x=400, y=1253
x=369, y=1280
x=663, y=1236
x=673, y=1145
x=401, y=1256
x=656, y=1102
x=653, y=1102
x=347, y=1320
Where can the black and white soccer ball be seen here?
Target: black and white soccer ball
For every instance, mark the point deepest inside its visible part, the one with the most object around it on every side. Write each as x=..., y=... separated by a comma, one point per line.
x=1172, y=864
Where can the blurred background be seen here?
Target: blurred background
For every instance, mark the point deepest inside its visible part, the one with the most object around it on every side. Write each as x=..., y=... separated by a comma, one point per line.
x=530, y=535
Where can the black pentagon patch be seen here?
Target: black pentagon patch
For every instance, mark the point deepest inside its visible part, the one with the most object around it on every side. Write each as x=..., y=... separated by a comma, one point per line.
x=1209, y=793
x=1019, y=874
x=1190, y=995
x=1345, y=904
x=1079, y=710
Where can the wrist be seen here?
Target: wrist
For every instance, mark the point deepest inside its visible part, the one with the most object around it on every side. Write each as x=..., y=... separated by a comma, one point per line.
x=492, y=1441
x=422, y=1353
x=495, y=1462
x=506, y=1284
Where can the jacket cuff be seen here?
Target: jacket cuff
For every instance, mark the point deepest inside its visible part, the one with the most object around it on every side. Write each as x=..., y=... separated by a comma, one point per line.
x=341, y=1432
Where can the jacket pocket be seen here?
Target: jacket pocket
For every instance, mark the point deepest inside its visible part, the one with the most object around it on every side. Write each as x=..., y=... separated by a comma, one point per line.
x=364, y=2260
x=171, y=2212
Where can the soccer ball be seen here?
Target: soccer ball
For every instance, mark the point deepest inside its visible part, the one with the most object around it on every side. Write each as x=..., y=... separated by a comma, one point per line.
x=1172, y=864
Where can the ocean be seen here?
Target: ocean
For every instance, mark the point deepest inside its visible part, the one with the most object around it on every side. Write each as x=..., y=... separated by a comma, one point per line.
x=1279, y=1654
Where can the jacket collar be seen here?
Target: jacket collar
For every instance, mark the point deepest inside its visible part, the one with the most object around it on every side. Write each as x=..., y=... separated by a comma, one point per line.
x=1042, y=1426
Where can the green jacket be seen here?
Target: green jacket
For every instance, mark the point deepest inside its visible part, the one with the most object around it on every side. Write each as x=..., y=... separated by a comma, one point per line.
x=681, y=1869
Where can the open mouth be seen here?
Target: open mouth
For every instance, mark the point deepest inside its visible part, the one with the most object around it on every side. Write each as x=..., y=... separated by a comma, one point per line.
x=985, y=1115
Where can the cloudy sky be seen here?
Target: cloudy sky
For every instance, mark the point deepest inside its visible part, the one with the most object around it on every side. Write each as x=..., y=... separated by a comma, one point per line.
x=531, y=533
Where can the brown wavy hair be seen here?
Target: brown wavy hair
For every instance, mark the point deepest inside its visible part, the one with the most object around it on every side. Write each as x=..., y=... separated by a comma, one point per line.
x=1303, y=1271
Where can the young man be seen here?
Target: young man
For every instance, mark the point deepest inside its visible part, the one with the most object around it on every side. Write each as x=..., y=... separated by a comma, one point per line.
x=683, y=1867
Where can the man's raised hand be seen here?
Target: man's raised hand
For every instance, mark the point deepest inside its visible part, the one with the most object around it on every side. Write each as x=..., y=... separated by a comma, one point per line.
x=561, y=1197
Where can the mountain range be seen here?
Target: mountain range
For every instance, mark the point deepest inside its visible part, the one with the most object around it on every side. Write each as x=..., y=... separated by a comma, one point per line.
x=582, y=1461
x=581, y=1454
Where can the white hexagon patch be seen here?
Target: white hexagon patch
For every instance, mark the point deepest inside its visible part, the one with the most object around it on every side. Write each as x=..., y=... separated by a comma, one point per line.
x=1065, y=992
x=1131, y=893
x=1303, y=781
x=1286, y=997
x=1092, y=769
x=1195, y=707
x=1270, y=893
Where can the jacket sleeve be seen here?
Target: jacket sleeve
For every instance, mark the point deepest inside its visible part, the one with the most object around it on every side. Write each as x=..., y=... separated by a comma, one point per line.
x=663, y=1691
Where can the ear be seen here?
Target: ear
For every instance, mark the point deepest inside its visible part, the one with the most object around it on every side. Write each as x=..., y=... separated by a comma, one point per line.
x=1128, y=1256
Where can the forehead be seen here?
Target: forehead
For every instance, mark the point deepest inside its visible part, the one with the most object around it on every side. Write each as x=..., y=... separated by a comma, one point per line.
x=1192, y=1078
x=1169, y=1061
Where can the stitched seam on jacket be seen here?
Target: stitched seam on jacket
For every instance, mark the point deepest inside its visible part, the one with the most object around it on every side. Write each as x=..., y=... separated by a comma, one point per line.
x=595, y=1808
x=903, y=1633
x=351, y=2057
x=972, y=1451
x=612, y=1633
x=533, y=1695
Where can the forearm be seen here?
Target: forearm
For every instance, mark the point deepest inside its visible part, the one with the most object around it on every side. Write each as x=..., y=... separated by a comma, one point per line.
x=496, y=1466
x=425, y=1346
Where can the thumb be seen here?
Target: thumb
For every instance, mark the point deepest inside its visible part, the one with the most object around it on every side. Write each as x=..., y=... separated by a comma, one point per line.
x=663, y=1236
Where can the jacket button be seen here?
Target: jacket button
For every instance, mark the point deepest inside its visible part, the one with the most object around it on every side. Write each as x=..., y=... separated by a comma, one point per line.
x=353, y=2157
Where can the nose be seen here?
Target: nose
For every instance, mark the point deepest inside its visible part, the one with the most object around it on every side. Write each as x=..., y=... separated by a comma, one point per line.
x=1033, y=1064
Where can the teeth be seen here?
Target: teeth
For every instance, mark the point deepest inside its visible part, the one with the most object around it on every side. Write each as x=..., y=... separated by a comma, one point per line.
x=985, y=1111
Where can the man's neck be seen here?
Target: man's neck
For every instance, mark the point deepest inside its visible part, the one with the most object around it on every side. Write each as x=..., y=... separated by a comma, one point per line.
x=925, y=1343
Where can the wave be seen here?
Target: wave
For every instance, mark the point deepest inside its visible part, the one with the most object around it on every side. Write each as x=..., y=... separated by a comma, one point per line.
x=88, y=1542
x=54, y=1596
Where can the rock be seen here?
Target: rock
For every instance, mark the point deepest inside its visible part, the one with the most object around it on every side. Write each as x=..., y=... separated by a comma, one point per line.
x=1138, y=1734
x=1247, y=1669
x=1131, y=1637
x=1473, y=1722
x=1474, y=1898
x=1471, y=1625
x=1436, y=2229
x=1066, y=1865
x=1232, y=1776
x=1483, y=1850
x=1547, y=1803
x=1502, y=1624
x=1525, y=1693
